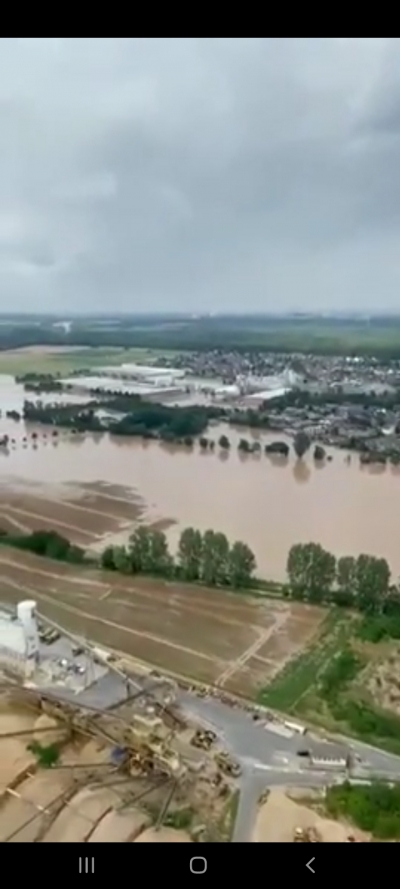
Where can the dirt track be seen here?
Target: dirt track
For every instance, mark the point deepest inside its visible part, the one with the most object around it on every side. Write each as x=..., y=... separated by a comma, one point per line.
x=208, y=635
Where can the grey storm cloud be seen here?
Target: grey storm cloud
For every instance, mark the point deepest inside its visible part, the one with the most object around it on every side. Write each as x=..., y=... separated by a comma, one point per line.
x=199, y=174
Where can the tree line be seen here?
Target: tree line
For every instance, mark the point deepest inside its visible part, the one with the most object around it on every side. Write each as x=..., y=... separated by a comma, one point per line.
x=206, y=558
x=315, y=576
x=374, y=808
x=362, y=582
x=205, y=335
x=145, y=419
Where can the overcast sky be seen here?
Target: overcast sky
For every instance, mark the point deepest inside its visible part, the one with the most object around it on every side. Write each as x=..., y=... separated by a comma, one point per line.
x=199, y=174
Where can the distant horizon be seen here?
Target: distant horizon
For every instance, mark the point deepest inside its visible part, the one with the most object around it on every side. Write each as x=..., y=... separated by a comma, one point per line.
x=362, y=315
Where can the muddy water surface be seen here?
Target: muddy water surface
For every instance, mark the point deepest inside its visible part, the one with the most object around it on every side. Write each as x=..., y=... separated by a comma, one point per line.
x=269, y=504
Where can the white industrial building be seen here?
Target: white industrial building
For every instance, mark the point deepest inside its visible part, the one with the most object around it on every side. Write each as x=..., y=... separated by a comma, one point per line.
x=154, y=375
x=144, y=388
x=38, y=655
x=27, y=655
x=19, y=638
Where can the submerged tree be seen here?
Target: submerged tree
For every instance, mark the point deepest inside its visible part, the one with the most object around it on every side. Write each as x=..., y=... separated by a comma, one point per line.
x=301, y=444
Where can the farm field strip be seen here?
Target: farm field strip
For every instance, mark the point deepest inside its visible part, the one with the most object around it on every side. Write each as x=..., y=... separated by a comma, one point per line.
x=152, y=626
x=83, y=517
x=46, y=517
x=88, y=616
x=47, y=521
x=210, y=635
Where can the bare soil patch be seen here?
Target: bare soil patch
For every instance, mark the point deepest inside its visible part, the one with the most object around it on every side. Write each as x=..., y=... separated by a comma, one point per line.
x=381, y=679
x=279, y=817
x=165, y=835
x=297, y=632
x=77, y=821
x=120, y=827
x=38, y=791
x=15, y=759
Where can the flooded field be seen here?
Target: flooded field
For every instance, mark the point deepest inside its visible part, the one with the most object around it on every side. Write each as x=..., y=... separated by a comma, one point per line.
x=269, y=504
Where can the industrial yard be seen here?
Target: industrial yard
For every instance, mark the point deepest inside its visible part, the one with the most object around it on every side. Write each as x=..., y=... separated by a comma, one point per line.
x=123, y=777
x=90, y=754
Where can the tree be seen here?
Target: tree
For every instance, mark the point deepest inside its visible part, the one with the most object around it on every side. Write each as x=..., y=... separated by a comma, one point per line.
x=121, y=559
x=372, y=583
x=346, y=579
x=241, y=564
x=160, y=559
x=244, y=446
x=203, y=442
x=190, y=551
x=139, y=550
x=311, y=571
x=107, y=558
x=224, y=442
x=215, y=558
x=301, y=444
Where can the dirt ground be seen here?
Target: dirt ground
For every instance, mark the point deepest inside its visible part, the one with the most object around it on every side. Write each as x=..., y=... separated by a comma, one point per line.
x=15, y=759
x=279, y=817
x=235, y=642
x=381, y=679
x=82, y=799
x=165, y=835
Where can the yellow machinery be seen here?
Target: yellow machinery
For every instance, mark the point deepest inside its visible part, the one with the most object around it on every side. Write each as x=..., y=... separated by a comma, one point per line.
x=228, y=765
x=203, y=739
x=306, y=835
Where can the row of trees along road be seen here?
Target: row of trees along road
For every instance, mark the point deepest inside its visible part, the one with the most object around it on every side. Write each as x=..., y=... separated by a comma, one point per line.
x=207, y=558
x=316, y=576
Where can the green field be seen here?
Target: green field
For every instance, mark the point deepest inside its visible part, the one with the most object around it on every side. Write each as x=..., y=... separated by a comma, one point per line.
x=326, y=685
x=21, y=362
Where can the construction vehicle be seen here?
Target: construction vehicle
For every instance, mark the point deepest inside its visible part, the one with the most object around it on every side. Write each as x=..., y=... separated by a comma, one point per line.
x=49, y=635
x=202, y=691
x=228, y=765
x=203, y=739
x=306, y=835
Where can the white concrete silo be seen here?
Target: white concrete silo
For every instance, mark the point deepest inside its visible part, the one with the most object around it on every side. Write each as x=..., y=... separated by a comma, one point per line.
x=26, y=613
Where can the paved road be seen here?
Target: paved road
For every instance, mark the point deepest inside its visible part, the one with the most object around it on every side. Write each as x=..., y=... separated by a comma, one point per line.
x=255, y=744
x=269, y=758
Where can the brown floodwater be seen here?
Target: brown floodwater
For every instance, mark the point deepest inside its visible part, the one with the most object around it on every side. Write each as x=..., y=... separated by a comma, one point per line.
x=270, y=504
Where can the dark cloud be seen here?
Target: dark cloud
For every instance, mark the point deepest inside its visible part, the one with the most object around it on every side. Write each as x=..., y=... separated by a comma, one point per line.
x=189, y=174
